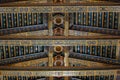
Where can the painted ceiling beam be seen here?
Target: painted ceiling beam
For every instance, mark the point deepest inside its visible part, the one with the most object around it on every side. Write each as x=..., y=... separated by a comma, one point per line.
x=23, y=58
x=59, y=68
x=95, y=30
x=74, y=27
x=71, y=55
x=38, y=37
x=94, y=58
x=81, y=3
x=22, y=29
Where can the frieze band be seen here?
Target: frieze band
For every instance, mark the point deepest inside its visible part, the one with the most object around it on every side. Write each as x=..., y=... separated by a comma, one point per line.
x=59, y=42
x=58, y=73
x=53, y=9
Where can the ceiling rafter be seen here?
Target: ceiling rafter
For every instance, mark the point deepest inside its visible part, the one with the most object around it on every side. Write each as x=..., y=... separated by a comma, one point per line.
x=58, y=68
x=22, y=29
x=93, y=58
x=37, y=37
x=23, y=58
x=95, y=30
x=72, y=55
x=74, y=27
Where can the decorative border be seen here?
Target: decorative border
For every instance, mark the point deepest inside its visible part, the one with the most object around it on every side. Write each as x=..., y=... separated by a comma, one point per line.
x=54, y=9
x=59, y=73
x=59, y=42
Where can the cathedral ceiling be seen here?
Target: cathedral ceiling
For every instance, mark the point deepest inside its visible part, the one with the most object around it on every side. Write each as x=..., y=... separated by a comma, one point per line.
x=91, y=50
x=78, y=23
x=88, y=35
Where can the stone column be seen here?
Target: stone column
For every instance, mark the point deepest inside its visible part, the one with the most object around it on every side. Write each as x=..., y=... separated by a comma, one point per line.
x=66, y=30
x=66, y=58
x=50, y=26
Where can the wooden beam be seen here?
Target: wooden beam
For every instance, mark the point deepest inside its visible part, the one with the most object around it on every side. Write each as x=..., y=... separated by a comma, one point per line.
x=95, y=30
x=66, y=57
x=59, y=68
x=37, y=37
x=35, y=62
x=118, y=50
x=50, y=24
x=74, y=61
x=22, y=29
x=50, y=56
x=66, y=30
x=23, y=58
x=94, y=58
x=119, y=21
x=97, y=3
x=58, y=73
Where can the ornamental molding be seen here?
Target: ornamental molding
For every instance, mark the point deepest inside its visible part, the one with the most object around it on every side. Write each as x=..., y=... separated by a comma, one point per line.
x=59, y=73
x=59, y=42
x=54, y=9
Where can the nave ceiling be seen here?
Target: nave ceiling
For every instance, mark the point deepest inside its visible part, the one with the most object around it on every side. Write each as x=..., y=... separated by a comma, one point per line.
x=48, y=36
